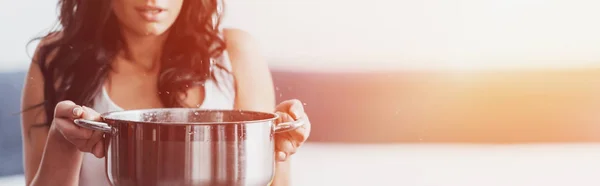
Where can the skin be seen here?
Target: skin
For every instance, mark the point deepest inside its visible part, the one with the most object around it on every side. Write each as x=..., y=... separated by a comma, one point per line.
x=53, y=155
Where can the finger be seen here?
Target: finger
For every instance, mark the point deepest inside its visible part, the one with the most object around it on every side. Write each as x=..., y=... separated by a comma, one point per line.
x=90, y=114
x=286, y=145
x=67, y=109
x=98, y=149
x=281, y=156
x=299, y=135
x=294, y=107
x=302, y=133
x=86, y=144
x=297, y=110
x=294, y=140
x=283, y=117
x=96, y=138
x=71, y=131
x=81, y=144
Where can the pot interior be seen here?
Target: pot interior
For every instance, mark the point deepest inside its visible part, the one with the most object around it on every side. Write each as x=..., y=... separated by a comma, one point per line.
x=188, y=116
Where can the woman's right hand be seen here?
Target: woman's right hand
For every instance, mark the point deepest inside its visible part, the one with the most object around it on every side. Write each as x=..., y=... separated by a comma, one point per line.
x=85, y=140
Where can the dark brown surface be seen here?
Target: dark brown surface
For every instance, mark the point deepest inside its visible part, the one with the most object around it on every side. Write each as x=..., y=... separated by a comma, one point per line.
x=474, y=107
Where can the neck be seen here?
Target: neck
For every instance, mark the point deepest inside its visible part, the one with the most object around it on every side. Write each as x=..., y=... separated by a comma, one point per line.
x=142, y=50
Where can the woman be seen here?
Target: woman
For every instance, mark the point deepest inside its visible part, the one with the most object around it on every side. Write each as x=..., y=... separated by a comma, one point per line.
x=132, y=54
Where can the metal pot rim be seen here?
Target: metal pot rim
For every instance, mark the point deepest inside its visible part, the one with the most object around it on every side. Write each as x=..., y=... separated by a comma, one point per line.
x=111, y=116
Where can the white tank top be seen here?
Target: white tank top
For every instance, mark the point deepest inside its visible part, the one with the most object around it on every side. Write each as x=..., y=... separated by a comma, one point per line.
x=219, y=93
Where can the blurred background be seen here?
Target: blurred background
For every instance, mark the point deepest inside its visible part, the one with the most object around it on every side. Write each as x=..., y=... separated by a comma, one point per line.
x=400, y=92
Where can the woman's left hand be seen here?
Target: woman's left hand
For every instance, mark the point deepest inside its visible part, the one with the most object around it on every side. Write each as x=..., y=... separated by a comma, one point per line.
x=286, y=143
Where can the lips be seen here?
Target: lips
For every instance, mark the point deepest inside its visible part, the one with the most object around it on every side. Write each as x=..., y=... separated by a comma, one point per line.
x=151, y=13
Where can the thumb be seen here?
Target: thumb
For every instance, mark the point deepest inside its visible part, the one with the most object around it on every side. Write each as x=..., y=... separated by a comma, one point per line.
x=90, y=114
x=67, y=109
x=283, y=117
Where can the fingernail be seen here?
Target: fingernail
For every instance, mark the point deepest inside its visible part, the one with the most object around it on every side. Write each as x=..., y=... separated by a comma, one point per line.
x=281, y=156
x=298, y=111
x=77, y=111
x=297, y=114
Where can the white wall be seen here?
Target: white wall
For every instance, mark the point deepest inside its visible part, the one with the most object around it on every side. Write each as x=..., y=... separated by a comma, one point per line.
x=463, y=34
x=314, y=34
x=21, y=21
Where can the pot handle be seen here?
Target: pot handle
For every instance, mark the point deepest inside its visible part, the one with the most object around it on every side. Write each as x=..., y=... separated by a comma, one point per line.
x=93, y=125
x=289, y=126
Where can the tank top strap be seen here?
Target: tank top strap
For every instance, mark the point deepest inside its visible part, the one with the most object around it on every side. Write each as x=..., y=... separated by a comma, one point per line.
x=222, y=62
x=222, y=81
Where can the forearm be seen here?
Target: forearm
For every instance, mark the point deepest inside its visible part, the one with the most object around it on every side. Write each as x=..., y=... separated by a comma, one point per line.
x=282, y=174
x=60, y=163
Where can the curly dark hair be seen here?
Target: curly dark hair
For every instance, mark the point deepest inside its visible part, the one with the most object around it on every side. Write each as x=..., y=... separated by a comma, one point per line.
x=90, y=40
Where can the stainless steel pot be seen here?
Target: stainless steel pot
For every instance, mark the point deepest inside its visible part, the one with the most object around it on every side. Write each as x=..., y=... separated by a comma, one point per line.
x=181, y=146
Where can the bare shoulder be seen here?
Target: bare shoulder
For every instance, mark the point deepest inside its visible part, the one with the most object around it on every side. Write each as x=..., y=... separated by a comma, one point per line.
x=46, y=40
x=253, y=78
x=244, y=52
x=34, y=82
x=237, y=36
x=242, y=46
x=34, y=75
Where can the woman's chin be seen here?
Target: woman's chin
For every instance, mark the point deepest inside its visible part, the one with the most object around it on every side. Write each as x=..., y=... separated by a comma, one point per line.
x=153, y=29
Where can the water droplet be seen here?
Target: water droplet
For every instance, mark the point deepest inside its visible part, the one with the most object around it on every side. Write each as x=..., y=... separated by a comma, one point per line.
x=167, y=92
x=196, y=113
x=304, y=104
x=280, y=95
x=276, y=88
x=71, y=47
